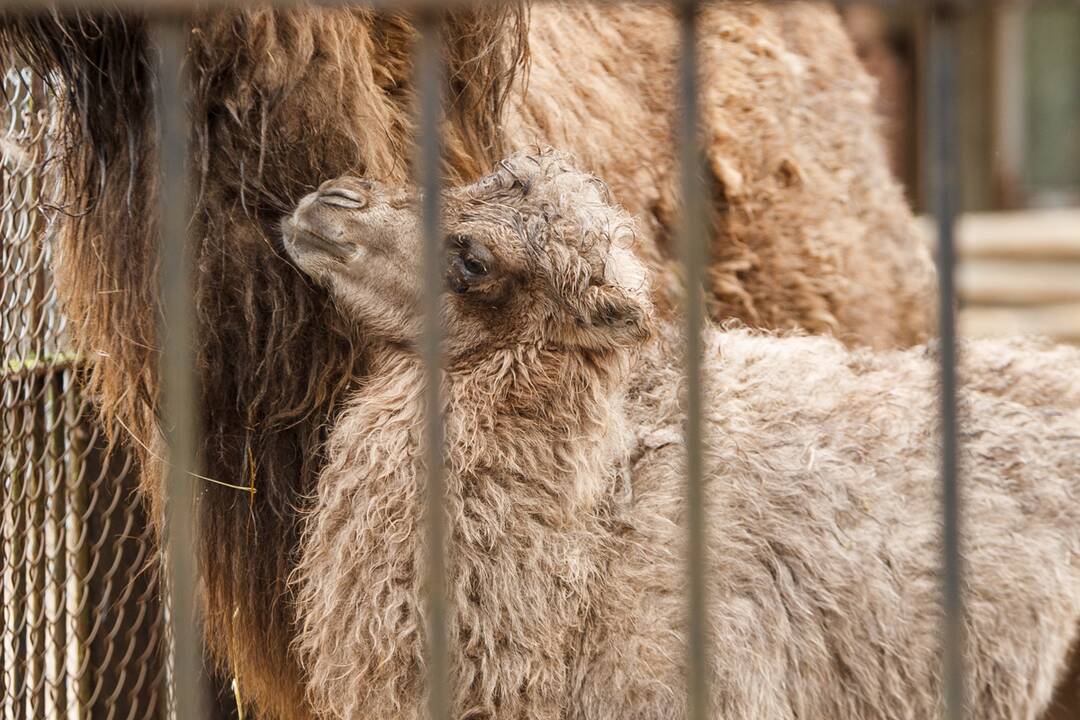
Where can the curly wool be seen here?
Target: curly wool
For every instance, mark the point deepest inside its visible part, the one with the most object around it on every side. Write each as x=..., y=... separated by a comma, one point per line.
x=565, y=503
x=823, y=544
x=823, y=505
x=525, y=510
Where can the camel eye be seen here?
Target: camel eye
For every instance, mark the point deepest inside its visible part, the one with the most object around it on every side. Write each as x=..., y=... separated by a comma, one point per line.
x=468, y=266
x=473, y=267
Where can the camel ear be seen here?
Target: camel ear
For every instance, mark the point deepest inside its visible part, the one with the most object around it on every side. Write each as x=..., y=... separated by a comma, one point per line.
x=617, y=315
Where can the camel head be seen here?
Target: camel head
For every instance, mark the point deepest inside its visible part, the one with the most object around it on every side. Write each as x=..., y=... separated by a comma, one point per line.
x=536, y=254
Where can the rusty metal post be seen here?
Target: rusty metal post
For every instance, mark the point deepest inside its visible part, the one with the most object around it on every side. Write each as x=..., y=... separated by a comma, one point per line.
x=942, y=164
x=693, y=243
x=429, y=169
x=180, y=397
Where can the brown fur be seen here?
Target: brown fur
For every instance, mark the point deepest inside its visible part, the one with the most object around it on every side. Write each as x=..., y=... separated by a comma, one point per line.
x=263, y=83
x=565, y=490
x=810, y=230
x=535, y=348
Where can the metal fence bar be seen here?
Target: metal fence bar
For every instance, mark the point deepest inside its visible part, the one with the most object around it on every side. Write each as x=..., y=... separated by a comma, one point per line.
x=180, y=391
x=56, y=618
x=942, y=183
x=429, y=167
x=78, y=604
x=37, y=499
x=166, y=8
x=694, y=255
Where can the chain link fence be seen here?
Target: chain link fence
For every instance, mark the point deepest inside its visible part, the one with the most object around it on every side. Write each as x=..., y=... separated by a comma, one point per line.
x=82, y=621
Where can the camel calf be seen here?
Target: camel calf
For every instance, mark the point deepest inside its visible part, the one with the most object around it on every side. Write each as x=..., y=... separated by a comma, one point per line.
x=565, y=504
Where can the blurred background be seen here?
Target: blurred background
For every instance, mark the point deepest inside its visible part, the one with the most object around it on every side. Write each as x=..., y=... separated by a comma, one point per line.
x=1020, y=132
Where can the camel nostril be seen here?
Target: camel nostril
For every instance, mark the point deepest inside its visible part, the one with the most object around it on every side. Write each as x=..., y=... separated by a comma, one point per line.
x=347, y=191
x=343, y=197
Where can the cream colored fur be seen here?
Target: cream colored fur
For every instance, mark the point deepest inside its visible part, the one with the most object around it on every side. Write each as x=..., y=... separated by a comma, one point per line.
x=565, y=502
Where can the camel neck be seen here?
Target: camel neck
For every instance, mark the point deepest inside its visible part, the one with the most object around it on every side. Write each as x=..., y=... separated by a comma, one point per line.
x=526, y=535
x=522, y=382
x=518, y=412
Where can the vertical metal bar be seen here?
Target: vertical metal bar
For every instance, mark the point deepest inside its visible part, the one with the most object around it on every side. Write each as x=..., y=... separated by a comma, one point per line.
x=36, y=501
x=429, y=167
x=15, y=556
x=37, y=493
x=943, y=184
x=180, y=390
x=60, y=383
x=694, y=255
x=86, y=467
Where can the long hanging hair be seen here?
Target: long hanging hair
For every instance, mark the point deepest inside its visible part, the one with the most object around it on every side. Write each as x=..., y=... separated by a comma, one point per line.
x=280, y=100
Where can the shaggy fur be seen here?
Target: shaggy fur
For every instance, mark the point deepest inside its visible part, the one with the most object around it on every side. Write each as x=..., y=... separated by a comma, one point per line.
x=810, y=230
x=565, y=490
x=539, y=334
x=280, y=99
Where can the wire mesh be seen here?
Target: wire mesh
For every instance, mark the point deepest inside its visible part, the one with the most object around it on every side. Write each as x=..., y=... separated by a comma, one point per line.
x=81, y=617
